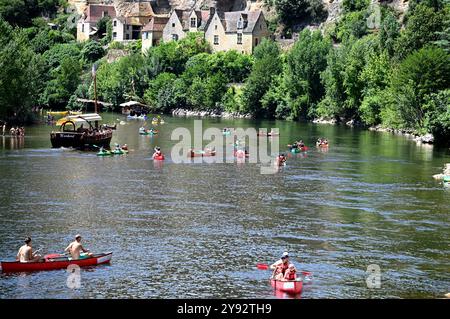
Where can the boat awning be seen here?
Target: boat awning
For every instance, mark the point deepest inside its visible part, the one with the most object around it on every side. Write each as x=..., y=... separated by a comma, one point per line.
x=82, y=118
x=132, y=103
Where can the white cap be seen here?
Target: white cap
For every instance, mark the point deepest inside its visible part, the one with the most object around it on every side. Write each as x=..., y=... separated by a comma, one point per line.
x=285, y=254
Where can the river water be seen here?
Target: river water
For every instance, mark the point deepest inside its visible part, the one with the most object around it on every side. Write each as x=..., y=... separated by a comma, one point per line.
x=197, y=230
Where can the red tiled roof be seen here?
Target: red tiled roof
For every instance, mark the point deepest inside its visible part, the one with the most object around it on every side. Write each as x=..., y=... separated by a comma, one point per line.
x=95, y=12
x=156, y=24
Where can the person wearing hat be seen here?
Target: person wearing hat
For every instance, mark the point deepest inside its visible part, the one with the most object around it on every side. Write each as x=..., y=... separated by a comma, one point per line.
x=75, y=249
x=26, y=253
x=280, y=267
x=290, y=273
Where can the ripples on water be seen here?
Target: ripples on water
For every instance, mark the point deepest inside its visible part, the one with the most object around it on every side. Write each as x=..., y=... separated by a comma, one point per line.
x=198, y=230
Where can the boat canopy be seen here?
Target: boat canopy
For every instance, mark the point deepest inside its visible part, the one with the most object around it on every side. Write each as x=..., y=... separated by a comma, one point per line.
x=81, y=118
x=131, y=103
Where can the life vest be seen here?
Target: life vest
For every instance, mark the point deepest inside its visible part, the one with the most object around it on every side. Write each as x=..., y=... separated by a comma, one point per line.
x=290, y=275
x=281, y=269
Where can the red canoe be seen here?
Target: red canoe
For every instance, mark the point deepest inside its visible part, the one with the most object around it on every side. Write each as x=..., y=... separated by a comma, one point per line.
x=290, y=287
x=56, y=263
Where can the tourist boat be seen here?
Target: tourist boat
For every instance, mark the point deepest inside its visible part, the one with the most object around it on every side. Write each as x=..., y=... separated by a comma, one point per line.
x=291, y=286
x=60, y=262
x=299, y=149
x=58, y=113
x=201, y=153
x=81, y=138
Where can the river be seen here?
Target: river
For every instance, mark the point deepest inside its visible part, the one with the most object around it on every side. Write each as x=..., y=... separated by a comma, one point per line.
x=197, y=230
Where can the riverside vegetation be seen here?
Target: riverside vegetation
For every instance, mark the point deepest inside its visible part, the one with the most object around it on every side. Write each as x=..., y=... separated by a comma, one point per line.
x=396, y=75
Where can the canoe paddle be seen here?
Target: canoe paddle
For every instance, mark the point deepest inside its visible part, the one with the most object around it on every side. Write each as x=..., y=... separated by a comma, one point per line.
x=262, y=266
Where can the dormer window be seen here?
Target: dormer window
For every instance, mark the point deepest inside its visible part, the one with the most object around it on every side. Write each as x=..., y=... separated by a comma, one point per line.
x=193, y=22
x=240, y=24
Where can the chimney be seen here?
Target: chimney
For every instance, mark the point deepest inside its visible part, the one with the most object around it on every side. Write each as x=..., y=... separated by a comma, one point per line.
x=212, y=8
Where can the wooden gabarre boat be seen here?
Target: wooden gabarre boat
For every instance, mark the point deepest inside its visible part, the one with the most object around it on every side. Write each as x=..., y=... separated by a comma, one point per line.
x=81, y=138
x=55, y=263
x=291, y=286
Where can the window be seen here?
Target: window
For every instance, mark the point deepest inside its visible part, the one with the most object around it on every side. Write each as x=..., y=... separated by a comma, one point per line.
x=146, y=35
x=193, y=22
x=114, y=35
x=239, y=24
x=128, y=36
x=173, y=25
x=115, y=23
x=256, y=42
x=128, y=27
x=82, y=27
x=175, y=37
x=216, y=39
x=239, y=38
x=105, y=13
x=215, y=26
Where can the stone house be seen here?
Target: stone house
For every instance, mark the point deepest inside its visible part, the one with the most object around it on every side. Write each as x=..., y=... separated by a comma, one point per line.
x=152, y=32
x=239, y=30
x=176, y=28
x=87, y=25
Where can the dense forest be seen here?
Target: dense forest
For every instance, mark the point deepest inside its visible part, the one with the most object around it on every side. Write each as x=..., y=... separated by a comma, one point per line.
x=394, y=74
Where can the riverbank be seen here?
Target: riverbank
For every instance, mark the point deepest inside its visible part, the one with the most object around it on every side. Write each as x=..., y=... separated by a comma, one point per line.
x=212, y=114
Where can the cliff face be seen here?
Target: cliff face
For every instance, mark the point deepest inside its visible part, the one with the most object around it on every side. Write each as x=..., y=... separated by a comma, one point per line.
x=164, y=6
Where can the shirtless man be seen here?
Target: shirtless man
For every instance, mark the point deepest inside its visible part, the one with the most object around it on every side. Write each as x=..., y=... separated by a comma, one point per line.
x=26, y=254
x=280, y=267
x=75, y=248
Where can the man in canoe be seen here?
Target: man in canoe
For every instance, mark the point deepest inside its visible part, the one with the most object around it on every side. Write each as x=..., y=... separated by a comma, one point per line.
x=26, y=254
x=75, y=248
x=280, y=267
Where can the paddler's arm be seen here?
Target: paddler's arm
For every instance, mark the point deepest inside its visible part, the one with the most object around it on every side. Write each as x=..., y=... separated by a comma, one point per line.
x=68, y=248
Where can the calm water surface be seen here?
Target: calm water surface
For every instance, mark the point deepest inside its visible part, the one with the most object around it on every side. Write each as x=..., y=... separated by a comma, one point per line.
x=198, y=230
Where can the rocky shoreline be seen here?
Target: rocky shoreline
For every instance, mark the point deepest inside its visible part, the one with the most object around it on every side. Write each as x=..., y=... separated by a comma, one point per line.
x=425, y=139
x=215, y=113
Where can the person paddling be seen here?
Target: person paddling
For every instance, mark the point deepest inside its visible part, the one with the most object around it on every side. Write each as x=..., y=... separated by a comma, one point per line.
x=281, y=160
x=26, y=253
x=75, y=248
x=157, y=152
x=280, y=267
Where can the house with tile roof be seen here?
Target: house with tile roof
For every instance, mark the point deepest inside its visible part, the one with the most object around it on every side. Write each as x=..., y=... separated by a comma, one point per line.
x=152, y=32
x=87, y=25
x=239, y=30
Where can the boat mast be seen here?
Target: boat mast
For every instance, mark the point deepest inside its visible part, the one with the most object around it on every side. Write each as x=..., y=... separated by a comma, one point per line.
x=94, y=75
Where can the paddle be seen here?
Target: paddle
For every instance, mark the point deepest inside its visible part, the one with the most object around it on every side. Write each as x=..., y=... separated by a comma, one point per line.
x=262, y=266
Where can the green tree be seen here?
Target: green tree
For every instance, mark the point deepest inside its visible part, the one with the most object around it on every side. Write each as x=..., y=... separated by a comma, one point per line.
x=305, y=62
x=422, y=73
x=389, y=32
x=266, y=67
x=422, y=28
x=92, y=51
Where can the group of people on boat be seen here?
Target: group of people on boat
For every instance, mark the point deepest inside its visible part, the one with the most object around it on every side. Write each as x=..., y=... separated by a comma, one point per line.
x=17, y=131
x=283, y=269
x=143, y=130
x=322, y=142
x=297, y=145
x=75, y=249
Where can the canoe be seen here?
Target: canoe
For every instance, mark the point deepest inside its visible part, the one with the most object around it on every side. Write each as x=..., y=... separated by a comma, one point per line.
x=201, y=154
x=159, y=158
x=119, y=152
x=226, y=133
x=58, y=113
x=136, y=117
x=291, y=287
x=298, y=150
x=321, y=145
x=104, y=153
x=154, y=122
x=446, y=178
x=56, y=263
